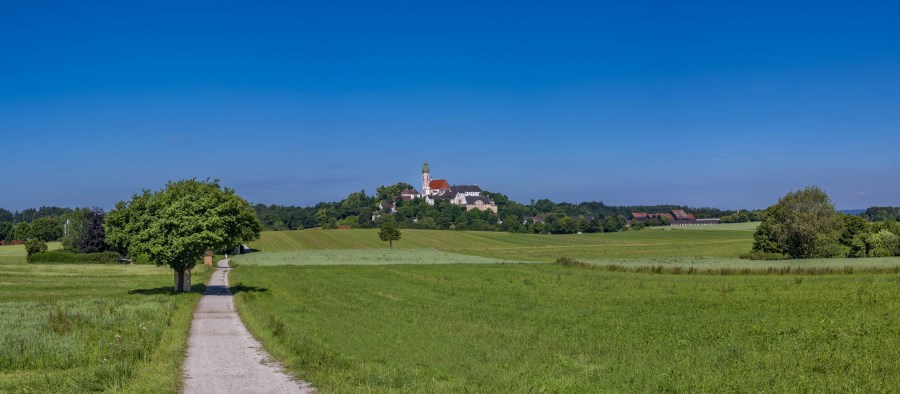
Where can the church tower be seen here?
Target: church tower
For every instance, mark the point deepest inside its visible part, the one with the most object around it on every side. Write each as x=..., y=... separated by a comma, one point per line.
x=426, y=179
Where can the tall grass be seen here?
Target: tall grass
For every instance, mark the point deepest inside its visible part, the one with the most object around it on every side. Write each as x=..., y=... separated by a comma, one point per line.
x=78, y=328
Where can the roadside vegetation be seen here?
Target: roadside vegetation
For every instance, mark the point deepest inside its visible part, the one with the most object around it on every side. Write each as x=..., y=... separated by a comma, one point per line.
x=78, y=328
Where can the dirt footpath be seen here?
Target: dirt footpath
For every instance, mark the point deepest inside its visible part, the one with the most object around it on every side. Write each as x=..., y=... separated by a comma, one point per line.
x=222, y=356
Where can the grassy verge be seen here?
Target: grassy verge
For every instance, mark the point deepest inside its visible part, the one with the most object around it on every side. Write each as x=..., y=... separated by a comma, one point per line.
x=552, y=328
x=77, y=328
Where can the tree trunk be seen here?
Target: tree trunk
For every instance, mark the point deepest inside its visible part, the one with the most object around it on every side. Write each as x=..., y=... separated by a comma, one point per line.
x=391, y=243
x=182, y=280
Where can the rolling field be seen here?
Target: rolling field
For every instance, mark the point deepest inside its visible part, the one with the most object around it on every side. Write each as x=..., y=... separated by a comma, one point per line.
x=717, y=241
x=79, y=328
x=548, y=328
x=698, y=247
x=15, y=254
x=361, y=257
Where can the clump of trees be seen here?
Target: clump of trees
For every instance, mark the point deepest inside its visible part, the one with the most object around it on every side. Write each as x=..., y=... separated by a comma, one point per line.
x=44, y=223
x=85, y=232
x=744, y=216
x=804, y=224
x=880, y=214
x=175, y=226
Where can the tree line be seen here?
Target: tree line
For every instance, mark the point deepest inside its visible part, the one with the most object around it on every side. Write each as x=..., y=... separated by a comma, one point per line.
x=804, y=224
x=356, y=211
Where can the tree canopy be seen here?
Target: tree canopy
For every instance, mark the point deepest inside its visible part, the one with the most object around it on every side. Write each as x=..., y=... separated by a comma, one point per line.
x=388, y=231
x=177, y=225
x=801, y=225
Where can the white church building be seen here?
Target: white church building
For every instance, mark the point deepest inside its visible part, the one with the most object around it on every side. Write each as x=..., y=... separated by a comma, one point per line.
x=468, y=196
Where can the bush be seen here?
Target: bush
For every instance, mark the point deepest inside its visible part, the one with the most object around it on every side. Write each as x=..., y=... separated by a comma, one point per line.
x=757, y=255
x=35, y=245
x=835, y=251
x=570, y=262
x=61, y=257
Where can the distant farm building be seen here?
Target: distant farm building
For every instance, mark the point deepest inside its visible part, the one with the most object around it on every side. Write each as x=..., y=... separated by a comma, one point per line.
x=675, y=217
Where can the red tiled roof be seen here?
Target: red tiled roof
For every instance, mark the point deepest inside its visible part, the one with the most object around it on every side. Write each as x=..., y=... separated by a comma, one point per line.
x=639, y=215
x=680, y=214
x=439, y=184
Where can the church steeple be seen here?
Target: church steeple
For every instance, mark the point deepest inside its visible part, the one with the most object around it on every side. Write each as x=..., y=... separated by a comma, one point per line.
x=426, y=179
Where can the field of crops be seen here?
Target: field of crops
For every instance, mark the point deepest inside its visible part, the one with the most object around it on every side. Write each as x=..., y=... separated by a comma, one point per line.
x=725, y=240
x=79, y=328
x=548, y=328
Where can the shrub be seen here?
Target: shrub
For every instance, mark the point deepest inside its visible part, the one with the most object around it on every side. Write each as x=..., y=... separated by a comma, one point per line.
x=835, y=250
x=35, y=245
x=757, y=255
x=570, y=262
x=61, y=257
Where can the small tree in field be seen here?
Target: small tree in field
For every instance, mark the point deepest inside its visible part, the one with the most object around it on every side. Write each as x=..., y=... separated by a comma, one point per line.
x=35, y=245
x=177, y=225
x=389, y=231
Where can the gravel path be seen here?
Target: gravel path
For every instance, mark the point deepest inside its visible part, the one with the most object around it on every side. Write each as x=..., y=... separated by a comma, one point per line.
x=222, y=356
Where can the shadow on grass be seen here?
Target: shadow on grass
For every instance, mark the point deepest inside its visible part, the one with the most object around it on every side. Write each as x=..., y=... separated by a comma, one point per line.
x=168, y=290
x=202, y=289
x=241, y=288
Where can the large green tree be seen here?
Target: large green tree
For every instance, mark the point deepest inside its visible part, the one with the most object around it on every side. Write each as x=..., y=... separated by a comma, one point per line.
x=175, y=226
x=803, y=224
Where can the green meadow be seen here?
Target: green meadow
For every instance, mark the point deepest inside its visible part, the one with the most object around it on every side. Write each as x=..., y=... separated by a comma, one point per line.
x=725, y=240
x=434, y=315
x=361, y=257
x=549, y=328
x=80, y=328
x=16, y=253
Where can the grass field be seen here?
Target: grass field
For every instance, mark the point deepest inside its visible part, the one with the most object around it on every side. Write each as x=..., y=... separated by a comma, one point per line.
x=79, y=328
x=547, y=328
x=15, y=254
x=361, y=257
x=726, y=241
x=698, y=247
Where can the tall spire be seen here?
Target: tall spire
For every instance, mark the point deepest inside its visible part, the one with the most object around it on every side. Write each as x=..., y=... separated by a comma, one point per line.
x=425, y=168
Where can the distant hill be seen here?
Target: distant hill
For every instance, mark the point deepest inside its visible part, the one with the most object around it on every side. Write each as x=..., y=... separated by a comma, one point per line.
x=851, y=211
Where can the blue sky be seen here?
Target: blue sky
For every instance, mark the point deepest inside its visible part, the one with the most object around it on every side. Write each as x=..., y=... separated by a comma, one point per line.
x=705, y=104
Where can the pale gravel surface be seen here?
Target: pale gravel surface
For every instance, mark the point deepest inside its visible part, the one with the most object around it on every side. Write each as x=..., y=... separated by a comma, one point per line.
x=222, y=356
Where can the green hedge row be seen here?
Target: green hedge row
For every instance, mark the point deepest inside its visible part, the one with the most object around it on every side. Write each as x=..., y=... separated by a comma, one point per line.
x=60, y=257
